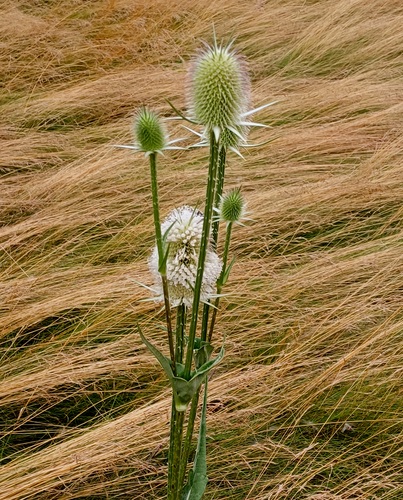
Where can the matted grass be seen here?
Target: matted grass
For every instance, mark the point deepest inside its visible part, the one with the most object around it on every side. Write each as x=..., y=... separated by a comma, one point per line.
x=307, y=403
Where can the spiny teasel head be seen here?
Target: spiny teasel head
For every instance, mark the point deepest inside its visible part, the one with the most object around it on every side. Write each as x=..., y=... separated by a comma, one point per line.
x=183, y=233
x=149, y=132
x=219, y=89
x=232, y=206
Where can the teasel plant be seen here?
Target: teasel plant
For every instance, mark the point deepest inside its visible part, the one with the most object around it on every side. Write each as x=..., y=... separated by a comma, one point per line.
x=189, y=275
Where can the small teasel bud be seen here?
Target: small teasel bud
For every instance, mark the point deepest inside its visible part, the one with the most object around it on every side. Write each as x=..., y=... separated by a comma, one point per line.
x=149, y=131
x=219, y=88
x=232, y=206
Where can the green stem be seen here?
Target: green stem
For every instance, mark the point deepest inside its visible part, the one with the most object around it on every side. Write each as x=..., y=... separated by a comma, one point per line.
x=174, y=456
x=188, y=438
x=171, y=450
x=220, y=170
x=204, y=328
x=175, y=452
x=220, y=281
x=158, y=237
x=211, y=182
x=180, y=332
x=222, y=158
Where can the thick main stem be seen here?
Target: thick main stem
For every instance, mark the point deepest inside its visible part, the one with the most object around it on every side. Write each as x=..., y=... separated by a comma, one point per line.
x=158, y=237
x=171, y=482
x=211, y=182
x=176, y=429
x=222, y=158
x=175, y=454
x=220, y=171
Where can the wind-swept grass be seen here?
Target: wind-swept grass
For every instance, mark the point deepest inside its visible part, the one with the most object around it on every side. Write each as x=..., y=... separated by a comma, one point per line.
x=308, y=401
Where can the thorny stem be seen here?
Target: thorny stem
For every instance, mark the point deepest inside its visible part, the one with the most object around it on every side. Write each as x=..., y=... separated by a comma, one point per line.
x=158, y=237
x=220, y=281
x=204, y=329
x=211, y=182
x=222, y=157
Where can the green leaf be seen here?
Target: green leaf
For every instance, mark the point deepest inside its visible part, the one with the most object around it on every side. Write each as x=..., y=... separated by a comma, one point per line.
x=163, y=360
x=202, y=352
x=198, y=480
x=183, y=390
x=162, y=268
x=181, y=115
x=225, y=276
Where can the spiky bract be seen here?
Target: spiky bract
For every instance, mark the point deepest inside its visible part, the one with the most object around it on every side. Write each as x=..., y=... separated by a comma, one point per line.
x=219, y=88
x=183, y=232
x=149, y=132
x=230, y=139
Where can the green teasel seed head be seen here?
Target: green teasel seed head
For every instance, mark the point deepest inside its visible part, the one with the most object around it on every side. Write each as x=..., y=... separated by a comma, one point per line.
x=149, y=132
x=232, y=206
x=219, y=88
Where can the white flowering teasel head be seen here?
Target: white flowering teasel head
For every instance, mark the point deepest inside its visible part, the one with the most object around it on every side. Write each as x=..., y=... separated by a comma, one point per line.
x=183, y=232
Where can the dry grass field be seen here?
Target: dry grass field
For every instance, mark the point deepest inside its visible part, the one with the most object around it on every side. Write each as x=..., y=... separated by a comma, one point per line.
x=308, y=402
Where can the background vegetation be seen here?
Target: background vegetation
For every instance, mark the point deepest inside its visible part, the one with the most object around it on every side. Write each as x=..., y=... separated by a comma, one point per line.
x=308, y=401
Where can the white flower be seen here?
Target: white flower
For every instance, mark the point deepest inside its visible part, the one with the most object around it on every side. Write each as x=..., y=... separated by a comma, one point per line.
x=182, y=231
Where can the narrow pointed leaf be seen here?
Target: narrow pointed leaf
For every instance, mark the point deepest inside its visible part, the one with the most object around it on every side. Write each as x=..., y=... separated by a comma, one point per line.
x=176, y=140
x=253, y=111
x=125, y=146
x=253, y=124
x=227, y=271
x=259, y=143
x=193, y=131
x=179, y=113
x=163, y=266
x=163, y=361
x=142, y=285
x=236, y=132
x=236, y=151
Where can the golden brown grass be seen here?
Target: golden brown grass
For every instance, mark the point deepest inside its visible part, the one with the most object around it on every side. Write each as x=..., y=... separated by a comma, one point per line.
x=308, y=402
